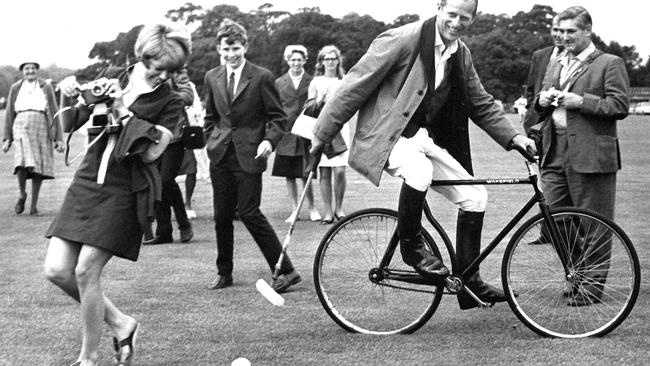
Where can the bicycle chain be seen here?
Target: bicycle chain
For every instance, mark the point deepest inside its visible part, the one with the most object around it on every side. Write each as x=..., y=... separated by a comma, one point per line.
x=412, y=289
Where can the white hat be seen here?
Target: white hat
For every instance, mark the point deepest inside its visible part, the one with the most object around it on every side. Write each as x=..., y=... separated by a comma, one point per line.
x=27, y=63
x=294, y=48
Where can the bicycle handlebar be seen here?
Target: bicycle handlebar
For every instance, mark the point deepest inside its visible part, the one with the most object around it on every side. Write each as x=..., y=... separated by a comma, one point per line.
x=525, y=153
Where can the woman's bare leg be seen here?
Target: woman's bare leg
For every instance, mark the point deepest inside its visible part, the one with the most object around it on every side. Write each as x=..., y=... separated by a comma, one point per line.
x=326, y=192
x=339, y=190
x=313, y=211
x=61, y=268
x=292, y=189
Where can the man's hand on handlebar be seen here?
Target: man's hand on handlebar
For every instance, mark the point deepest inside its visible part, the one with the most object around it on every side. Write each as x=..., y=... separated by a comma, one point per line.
x=524, y=145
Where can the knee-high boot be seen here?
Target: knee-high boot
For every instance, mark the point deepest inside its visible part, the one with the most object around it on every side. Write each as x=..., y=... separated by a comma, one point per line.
x=412, y=246
x=468, y=248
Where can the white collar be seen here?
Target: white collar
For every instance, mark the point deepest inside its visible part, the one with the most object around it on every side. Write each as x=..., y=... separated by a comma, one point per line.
x=582, y=56
x=137, y=78
x=237, y=71
x=302, y=73
x=556, y=53
x=449, y=49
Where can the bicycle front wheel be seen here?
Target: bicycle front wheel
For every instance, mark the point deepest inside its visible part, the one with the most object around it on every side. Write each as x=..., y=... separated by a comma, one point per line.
x=596, y=291
x=347, y=256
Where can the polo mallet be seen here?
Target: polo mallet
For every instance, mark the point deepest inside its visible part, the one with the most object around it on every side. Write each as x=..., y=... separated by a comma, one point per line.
x=262, y=286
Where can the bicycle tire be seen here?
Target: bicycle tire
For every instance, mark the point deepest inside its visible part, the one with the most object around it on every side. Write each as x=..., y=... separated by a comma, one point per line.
x=345, y=256
x=604, y=281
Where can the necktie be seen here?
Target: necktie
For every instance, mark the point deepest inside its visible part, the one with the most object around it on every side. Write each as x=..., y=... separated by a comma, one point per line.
x=569, y=69
x=231, y=86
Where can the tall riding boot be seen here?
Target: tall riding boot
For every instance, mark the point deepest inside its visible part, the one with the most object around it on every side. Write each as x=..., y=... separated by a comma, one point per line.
x=412, y=246
x=468, y=248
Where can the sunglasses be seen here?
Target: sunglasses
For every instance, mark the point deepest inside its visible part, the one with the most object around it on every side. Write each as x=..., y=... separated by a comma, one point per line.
x=330, y=58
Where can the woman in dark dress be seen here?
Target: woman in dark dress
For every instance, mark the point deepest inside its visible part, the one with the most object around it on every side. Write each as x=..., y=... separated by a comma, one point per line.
x=292, y=153
x=114, y=188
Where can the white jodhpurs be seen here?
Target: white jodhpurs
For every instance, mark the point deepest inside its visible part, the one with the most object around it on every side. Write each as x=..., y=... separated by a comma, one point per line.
x=418, y=160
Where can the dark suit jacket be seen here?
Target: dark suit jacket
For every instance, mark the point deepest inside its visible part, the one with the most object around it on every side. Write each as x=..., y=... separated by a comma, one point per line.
x=255, y=115
x=591, y=130
x=292, y=101
x=536, y=74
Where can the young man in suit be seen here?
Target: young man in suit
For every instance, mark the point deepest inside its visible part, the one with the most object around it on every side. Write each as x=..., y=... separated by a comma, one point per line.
x=538, y=66
x=583, y=96
x=414, y=89
x=244, y=121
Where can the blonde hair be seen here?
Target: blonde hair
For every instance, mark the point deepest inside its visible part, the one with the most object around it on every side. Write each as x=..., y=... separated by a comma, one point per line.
x=165, y=43
x=320, y=67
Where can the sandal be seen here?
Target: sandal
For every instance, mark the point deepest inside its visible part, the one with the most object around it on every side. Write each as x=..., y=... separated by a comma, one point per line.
x=126, y=342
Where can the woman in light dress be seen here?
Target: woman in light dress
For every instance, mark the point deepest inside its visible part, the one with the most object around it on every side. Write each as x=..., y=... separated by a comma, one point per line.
x=328, y=75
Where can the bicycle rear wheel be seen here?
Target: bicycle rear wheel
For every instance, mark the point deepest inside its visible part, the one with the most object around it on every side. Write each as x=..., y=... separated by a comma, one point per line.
x=347, y=254
x=596, y=294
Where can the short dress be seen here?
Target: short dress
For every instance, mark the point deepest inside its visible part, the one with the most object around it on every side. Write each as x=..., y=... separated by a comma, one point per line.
x=106, y=215
x=328, y=85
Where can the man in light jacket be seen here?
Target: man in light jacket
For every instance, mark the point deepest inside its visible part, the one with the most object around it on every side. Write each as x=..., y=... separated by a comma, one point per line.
x=414, y=90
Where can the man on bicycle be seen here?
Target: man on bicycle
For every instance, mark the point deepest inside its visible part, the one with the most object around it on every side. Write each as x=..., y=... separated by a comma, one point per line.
x=414, y=89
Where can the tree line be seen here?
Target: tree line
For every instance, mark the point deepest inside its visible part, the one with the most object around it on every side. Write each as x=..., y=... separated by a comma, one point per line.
x=501, y=45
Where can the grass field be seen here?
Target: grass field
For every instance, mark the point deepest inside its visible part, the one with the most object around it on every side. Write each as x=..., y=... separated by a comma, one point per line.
x=183, y=323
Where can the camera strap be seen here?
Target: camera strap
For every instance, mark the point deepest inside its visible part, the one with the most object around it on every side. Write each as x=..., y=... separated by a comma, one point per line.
x=86, y=147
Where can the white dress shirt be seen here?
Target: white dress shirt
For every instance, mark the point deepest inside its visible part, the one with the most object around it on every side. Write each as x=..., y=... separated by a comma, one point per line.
x=442, y=54
x=237, y=71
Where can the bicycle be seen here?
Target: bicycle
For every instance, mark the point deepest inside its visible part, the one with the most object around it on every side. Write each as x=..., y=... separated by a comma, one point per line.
x=365, y=290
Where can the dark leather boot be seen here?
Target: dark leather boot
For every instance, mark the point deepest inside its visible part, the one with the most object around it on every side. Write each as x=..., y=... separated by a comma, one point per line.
x=412, y=246
x=468, y=248
x=416, y=255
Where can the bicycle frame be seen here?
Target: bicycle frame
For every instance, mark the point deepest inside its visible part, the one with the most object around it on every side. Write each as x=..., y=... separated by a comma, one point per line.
x=538, y=197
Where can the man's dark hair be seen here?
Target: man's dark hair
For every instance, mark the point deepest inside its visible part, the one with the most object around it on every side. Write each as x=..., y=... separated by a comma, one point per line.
x=580, y=14
x=232, y=32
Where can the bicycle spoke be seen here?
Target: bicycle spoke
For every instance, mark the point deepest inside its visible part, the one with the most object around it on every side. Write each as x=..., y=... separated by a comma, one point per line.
x=345, y=258
x=597, y=292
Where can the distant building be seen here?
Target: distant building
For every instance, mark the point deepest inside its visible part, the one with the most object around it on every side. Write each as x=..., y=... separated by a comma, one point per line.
x=640, y=100
x=640, y=94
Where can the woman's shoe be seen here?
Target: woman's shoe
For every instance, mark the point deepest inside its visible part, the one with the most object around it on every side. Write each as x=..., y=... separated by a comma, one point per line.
x=314, y=216
x=326, y=221
x=339, y=217
x=34, y=211
x=20, y=205
x=125, y=360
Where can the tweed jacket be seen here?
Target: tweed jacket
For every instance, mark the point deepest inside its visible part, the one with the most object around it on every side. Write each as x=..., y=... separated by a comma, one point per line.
x=538, y=65
x=386, y=87
x=254, y=115
x=592, y=138
x=292, y=102
x=54, y=132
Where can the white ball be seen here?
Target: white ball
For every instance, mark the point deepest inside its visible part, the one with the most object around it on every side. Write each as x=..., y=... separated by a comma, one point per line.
x=241, y=361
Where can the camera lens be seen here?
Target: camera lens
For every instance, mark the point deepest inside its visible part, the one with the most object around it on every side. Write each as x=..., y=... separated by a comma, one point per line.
x=98, y=90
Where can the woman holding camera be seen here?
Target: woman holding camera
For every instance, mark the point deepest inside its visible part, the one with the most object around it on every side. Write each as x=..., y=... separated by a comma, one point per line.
x=113, y=190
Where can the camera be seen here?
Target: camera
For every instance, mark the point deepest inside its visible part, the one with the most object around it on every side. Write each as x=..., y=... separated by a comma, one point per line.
x=96, y=92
